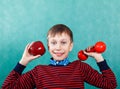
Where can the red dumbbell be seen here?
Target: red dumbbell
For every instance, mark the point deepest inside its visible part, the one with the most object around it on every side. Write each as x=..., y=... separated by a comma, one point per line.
x=99, y=47
x=56, y=88
x=37, y=48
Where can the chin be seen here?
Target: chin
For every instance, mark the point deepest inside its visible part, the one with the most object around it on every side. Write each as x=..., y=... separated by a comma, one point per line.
x=59, y=59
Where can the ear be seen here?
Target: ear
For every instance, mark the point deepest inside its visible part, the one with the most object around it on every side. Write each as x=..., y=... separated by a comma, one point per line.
x=48, y=46
x=71, y=46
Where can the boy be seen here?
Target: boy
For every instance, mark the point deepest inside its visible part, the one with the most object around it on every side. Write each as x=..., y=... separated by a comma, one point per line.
x=60, y=74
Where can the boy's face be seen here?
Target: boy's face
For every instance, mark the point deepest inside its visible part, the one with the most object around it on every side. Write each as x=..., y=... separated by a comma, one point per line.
x=59, y=46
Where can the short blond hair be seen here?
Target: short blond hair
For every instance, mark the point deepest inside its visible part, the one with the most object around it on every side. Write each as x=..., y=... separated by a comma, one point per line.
x=59, y=29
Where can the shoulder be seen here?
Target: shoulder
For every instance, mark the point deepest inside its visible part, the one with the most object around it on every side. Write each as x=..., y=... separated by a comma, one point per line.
x=83, y=67
x=81, y=64
x=40, y=66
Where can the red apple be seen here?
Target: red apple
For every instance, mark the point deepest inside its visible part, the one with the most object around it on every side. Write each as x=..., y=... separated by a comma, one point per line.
x=37, y=48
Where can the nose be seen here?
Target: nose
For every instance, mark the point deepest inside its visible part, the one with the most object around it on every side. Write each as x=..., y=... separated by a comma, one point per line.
x=58, y=46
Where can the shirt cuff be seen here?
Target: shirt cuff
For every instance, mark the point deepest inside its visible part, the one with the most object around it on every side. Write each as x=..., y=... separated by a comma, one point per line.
x=103, y=65
x=19, y=68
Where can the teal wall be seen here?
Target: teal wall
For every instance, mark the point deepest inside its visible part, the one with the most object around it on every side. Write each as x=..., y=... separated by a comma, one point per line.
x=24, y=21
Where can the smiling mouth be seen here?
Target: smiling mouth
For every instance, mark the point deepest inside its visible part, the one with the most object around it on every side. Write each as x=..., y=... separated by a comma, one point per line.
x=58, y=53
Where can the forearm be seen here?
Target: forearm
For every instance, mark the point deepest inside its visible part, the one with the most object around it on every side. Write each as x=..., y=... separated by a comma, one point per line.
x=19, y=68
x=106, y=80
x=107, y=74
x=24, y=62
x=99, y=58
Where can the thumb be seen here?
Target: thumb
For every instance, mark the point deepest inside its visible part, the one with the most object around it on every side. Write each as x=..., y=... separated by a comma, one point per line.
x=88, y=53
x=37, y=56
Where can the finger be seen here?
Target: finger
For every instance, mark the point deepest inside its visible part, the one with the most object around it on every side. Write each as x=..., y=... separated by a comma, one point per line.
x=88, y=53
x=27, y=47
x=89, y=49
x=30, y=44
x=85, y=52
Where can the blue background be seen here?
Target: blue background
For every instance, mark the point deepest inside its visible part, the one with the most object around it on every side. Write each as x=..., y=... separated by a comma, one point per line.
x=24, y=21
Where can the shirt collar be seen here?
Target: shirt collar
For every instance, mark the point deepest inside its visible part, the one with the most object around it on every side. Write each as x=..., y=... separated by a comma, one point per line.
x=61, y=63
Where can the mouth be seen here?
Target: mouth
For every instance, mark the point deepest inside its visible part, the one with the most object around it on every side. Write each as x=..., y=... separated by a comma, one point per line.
x=58, y=53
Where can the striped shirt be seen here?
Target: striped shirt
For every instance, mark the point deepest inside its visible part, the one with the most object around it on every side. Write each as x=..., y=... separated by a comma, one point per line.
x=71, y=76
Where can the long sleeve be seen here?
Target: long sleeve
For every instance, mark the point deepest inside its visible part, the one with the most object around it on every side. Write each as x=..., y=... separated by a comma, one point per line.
x=105, y=80
x=17, y=81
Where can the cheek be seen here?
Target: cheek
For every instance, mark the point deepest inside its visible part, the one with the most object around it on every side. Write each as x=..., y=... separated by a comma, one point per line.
x=69, y=47
x=50, y=48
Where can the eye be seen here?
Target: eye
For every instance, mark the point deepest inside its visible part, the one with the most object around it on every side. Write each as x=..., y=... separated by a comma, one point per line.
x=63, y=42
x=53, y=43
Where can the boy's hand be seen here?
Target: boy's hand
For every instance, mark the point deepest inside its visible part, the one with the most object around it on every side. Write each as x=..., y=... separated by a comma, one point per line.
x=98, y=56
x=27, y=57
